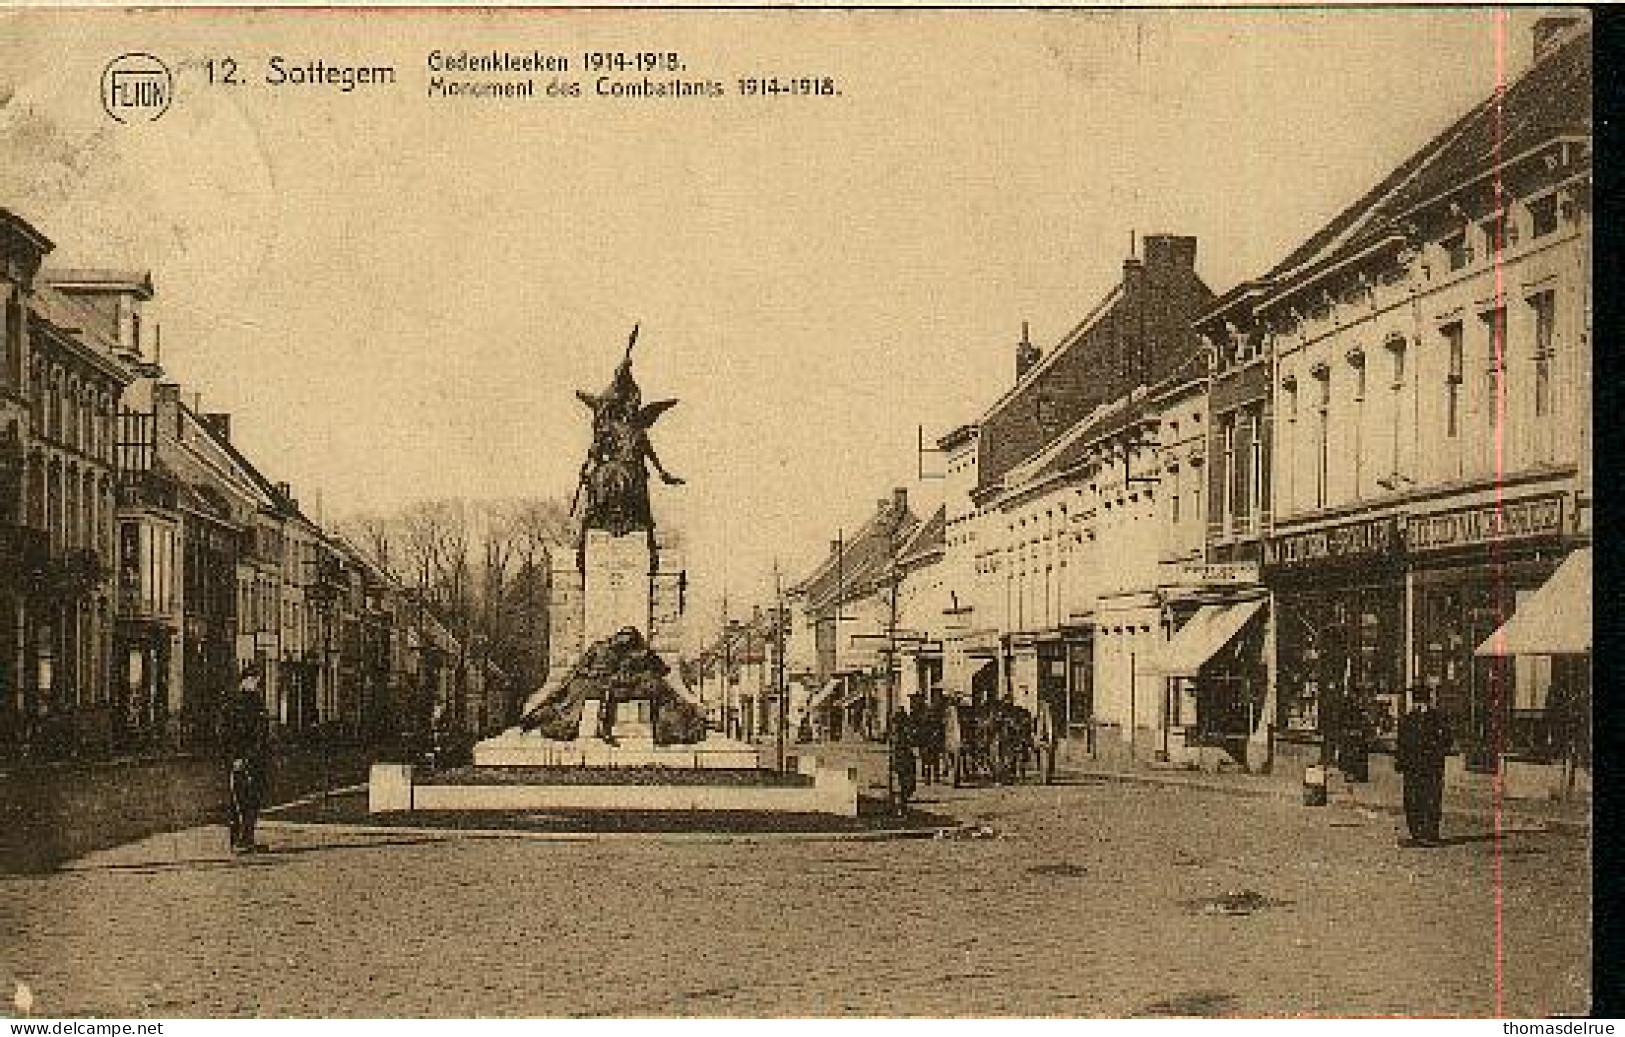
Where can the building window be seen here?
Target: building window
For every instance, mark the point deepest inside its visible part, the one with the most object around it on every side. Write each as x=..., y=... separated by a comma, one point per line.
x=1323, y=377
x=1396, y=350
x=1255, y=465
x=1544, y=306
x=1494, y=233
x=1453, y=340
x=1543, y=216
x=1457, y=252
x=1495, y=331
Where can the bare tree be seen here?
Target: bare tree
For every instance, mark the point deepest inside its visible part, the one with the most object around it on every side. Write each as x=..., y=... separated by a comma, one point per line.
x=374, y=534
x=434, y=543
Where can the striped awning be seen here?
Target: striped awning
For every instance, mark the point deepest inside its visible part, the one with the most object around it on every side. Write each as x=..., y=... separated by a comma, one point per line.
x=1203, y=637
x=1555, y=620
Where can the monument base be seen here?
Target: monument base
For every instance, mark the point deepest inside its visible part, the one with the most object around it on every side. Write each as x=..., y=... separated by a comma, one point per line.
x=834, y=790
x=516, y=748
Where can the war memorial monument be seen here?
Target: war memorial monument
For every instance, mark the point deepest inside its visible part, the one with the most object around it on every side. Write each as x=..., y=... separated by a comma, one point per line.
x=612, y=704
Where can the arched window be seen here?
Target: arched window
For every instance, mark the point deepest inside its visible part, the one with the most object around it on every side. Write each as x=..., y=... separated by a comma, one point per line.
x=87, y=424
x=70, y=412
x=36, y=491
x=53, y=501
x=70, y=506
x=53, y=405
x=109, y=417
x=109, y=505
x=36, y=392
x=91, y=504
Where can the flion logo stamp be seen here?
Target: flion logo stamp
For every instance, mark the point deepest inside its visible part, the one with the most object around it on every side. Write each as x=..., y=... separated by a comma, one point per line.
x=136, y=87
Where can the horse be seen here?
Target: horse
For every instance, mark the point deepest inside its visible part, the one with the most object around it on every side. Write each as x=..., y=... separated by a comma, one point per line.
x=994, y=742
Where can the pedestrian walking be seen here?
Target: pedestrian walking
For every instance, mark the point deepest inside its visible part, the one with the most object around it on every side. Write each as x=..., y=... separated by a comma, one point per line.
x=1046, y=737
x=953, y=741
x=902, y=760
x=246, y=738
x=1424, y=742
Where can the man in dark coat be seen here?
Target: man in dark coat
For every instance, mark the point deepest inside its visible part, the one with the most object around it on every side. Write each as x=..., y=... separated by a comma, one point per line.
x=902, y=760
x=1424, y=741
x=246, y=739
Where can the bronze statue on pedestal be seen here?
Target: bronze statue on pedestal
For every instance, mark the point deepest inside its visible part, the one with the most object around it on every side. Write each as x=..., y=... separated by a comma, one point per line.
x=615, y=475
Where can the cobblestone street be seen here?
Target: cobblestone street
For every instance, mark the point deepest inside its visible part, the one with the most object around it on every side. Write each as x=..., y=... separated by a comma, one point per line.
x=1087, y=900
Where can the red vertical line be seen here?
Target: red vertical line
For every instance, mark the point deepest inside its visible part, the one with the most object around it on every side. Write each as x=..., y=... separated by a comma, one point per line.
x=1498, y=328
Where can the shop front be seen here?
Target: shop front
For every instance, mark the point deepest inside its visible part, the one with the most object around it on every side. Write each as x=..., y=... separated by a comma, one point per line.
x=1339, y=600
x=1023, y=668
x=141, y=683
x=1473, y=569
x=1215, y=680
x=1077, y=704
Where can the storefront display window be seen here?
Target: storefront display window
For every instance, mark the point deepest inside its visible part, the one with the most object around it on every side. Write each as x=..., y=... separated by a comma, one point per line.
x=1341, y=659
x=1495, y=705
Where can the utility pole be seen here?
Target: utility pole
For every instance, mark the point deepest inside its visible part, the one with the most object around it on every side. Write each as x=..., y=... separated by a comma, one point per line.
x=894, y=577
x=727, y=667
x=835, y=638
x=778, y=676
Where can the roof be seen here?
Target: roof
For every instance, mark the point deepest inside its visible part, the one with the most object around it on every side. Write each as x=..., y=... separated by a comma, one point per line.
x=957, y=437
x=927, y=540
x=863, y=559
x=10, y=221
x=79, y=328
x=1105, y=420
x=1551, y=99
x=101, y=280
x=283, y=502
x=1102, y=308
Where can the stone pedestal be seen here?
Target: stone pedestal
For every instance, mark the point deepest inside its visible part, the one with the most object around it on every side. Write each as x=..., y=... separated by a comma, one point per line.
x=616, y=585
x=632, y=722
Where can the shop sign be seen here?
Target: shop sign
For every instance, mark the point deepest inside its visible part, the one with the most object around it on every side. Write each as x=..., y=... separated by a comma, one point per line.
x=1374, y=538
x=1489, y=523
x=1209, y=574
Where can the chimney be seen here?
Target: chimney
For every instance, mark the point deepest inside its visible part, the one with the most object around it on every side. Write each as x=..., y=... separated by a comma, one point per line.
x=1133, y=276
x=1027, y=354
x=219, y=424
x=1170, y=252
x=1550, y=33
x=899, y=498
x=166, y=393
x=835, y=547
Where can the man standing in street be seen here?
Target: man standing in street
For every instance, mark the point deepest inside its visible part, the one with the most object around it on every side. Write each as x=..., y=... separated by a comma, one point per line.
x=246, y=739
x=903, y=774
x=1046, y=738
x=1424, y=741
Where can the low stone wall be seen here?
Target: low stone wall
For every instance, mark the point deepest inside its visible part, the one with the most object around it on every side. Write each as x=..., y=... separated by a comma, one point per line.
x=834, y=791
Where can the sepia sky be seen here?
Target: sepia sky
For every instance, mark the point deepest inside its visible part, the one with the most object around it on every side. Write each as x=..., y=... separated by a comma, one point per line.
x=395, y=296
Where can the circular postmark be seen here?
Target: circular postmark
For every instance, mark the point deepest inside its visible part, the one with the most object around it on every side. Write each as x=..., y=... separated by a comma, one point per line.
x=136, y=87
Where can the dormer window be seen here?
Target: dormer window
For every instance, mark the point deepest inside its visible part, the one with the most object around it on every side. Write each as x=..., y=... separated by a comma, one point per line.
x=1543, y=216
x=1493, y=233
x=1457, y=251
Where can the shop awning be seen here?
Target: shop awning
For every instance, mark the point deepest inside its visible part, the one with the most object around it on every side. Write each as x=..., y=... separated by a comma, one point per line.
x=820, y=700
x=1200, y=639
x=1555, y=620
x=857, y=691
